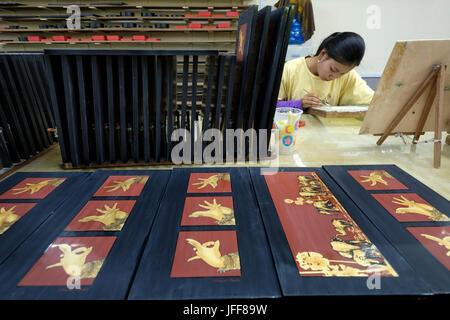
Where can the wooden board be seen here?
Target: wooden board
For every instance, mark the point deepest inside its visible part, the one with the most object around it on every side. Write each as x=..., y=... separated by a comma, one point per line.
x=397, y=204
x=30, y=208
x=177, y=263
x=99, y=230
x=407, y=68
x=311, y=225
x=338, y=112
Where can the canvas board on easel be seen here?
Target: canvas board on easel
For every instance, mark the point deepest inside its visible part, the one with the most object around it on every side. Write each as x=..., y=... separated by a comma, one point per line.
x=413, y=95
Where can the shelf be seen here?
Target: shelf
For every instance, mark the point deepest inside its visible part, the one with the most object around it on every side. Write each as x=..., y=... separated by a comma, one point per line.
x=93, y=30
x=180, y=15
x=135, y=18
x=136, y=7
x=117, y=42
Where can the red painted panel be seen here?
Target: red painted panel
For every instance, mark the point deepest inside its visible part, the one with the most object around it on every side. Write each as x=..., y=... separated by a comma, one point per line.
x=218, y=251
x=209, y=183
x=79, y=256
x=122, y=186
x=33, y=188
x=208, y=211
x=436, y=240
x=376, y=180
x=102, y=215
x=407, y=207
x=323, y=238
x=10, y=213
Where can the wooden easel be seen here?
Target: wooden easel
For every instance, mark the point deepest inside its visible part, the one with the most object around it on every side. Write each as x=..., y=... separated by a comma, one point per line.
x=436, y=80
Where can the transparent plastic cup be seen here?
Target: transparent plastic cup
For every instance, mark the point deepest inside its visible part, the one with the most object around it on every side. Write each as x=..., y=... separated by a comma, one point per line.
x=287, y=122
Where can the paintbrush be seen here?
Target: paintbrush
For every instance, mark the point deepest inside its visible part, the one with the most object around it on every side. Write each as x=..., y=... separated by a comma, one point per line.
x=321, y=100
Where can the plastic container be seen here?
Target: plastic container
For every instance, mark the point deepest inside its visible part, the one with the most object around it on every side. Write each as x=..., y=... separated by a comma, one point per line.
x=287, y=122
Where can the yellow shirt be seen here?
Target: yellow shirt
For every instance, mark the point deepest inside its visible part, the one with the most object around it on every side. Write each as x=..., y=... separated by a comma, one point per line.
x=347, y=90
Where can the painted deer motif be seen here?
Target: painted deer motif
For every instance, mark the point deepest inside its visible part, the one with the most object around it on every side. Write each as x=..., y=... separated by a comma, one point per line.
x=209, y=252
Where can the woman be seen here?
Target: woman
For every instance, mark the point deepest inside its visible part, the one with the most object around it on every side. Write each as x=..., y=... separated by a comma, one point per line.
x=328, y=77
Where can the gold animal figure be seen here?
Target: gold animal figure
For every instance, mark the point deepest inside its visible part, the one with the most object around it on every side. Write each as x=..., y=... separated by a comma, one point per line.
x=442, y=242
x=212, y=180
x=35, y=187
x=223, y=215
x=326, y=207
x=209, y=252
x=241, y=43
x=420, y=208
x=340, y=226
x=375, y=177
x=7, y=218
x=317, y=263
x=74, y=262
x=126, y=184
x=112, y=218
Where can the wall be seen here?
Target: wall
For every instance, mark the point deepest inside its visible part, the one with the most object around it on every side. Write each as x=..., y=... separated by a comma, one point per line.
x=398, y=20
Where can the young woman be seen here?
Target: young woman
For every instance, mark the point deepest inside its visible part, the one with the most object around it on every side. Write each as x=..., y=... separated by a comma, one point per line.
x=328, y=77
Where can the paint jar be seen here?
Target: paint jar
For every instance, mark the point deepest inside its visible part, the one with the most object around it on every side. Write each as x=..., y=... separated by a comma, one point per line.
x=287, y=122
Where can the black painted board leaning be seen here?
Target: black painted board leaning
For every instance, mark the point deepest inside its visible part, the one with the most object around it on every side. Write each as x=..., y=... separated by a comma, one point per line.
x=244, y=59
x=256, y=68
x=258, y=278
x=420, y=258
x=116, y=273
x=272, y=54
x=24, y=227
x=292, y=284
x=277, y=83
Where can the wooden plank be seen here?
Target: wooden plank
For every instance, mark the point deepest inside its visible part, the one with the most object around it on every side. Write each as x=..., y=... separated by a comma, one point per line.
x=439, y=123
x=393, y=223
x=39, y=80
x=111, y=108
x=122, y=106
x=84, y=122
x=400, y=82
x=29, y=103
x=185, y=88
x=98, y=110
x=135, y=101
x=72, y=114
x=338, y=112
x=121, y=258
x=297, y=230
x=14, y=123
x=405, y=109
x=171, y=74
x=193, y=104
x=56, y=107
x=158, y=97
x=259, y=44
x=156, y=275
x=145, y=106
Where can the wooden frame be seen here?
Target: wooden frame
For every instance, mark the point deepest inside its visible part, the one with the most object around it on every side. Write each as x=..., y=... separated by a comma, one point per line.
x=122, y=259
x=426, y=265
x=294, y=284
x=405, y=96
x=257, y=280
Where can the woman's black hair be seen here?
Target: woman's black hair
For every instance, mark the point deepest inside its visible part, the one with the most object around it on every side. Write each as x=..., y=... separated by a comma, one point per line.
x=345, y=47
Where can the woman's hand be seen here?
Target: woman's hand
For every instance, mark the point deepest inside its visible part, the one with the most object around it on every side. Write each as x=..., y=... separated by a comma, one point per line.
x=311, y=100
